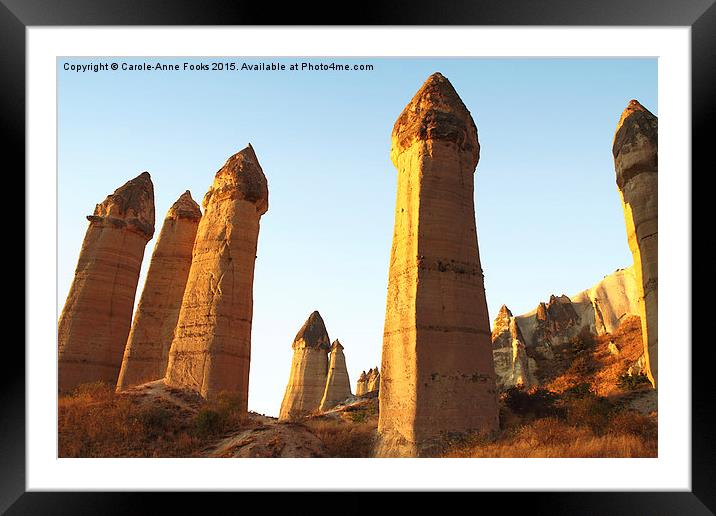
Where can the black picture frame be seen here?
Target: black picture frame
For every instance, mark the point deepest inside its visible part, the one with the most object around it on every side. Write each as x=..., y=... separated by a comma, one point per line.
x=17, y=15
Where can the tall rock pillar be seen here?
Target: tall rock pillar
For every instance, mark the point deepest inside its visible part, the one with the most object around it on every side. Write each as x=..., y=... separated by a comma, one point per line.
x=309, y=370
x=437, y=367
x=211, y=349
x=95, y=322
x=635, y=151
x=147, y=350
x=338, y=385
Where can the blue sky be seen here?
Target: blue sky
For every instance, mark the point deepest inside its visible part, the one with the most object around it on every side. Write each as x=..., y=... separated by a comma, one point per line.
x=549, y=218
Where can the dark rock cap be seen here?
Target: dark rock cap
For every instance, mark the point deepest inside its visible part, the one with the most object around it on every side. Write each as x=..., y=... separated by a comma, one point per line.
x=436, y=112
x=312, y=334
x=635, y=147
x=336, y=345
x=184, y=208
x=241, y=177
x=130, y=206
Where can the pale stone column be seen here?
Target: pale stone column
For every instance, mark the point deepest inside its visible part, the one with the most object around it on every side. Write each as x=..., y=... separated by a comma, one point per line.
x=95, y=321
x=636, y=154
x=147, y=350
x=309, y=370
x=437, y=367
x=362, y=384
x=338, y=385
x=211, y=349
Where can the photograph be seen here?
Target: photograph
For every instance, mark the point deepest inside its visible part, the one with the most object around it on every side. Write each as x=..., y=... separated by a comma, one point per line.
x=357, y=257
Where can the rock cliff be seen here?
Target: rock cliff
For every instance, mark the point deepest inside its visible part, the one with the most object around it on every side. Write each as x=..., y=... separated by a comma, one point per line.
x=95, y=321
x=526, y=348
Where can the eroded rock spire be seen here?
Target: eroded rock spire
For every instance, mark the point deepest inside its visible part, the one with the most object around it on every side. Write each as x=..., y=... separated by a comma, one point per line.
x=309, y=370
x=437, y=367
x=95, y=322
x=147, y=350
x=635, y=151
x=338, y=385
x=211, y=348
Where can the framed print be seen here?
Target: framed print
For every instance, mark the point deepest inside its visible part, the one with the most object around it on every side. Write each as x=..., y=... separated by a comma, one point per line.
x=419, y=247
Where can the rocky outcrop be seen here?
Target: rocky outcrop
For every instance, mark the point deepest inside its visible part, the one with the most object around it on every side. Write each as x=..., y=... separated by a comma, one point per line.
x=95, y=322
x=437, y=365
x=512, y=365
x=527, y=347
x=309, y=370
x=635, y=151
x=338, y=385
x=373, y=380
x=362, y=384
x=368, y=383
x=211, y=349
x=147, y=351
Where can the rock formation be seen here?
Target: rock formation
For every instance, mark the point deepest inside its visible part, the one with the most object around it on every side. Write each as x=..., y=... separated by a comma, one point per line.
x=635, y=151
x=147, y=350
x=309, y=370
x=368, y=383
x=362, y=384
x=437, y=365
x=95, y=321
x=338, y=385
x=522, y=343
x=512, y=365
x=373, y=380
x=211, y=349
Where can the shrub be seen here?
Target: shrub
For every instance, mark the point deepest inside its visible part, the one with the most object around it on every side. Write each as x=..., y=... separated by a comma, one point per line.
x=538, y=402
x=207, y=422
x=578, y=391
x=630, y=382
x=593, y=411
x=154, y=418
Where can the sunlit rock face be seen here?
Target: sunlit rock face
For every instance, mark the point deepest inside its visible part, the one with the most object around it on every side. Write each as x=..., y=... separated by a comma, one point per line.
x=512, y=365
x=95, y=322
x=309, y=370
x=635, y=151
x=338, y=385
x=437, y=372
x=527, y=348
x=211, y=348
x=147, y=351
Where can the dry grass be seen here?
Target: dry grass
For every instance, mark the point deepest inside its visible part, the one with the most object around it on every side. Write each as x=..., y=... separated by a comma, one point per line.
x=93, y=421
x=552, y=438
x=343, y=439
x=595, y=365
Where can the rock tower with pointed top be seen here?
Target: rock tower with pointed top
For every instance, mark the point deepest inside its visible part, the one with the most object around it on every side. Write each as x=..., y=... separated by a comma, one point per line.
x=95, y=322
x=211, y=348
x=338, y=385
x=635, y=151
x=437, y=367
x=309, y=370
x=147, y=350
